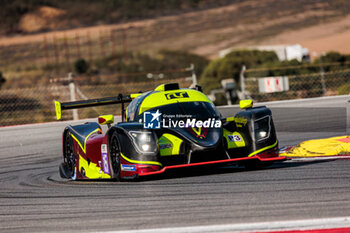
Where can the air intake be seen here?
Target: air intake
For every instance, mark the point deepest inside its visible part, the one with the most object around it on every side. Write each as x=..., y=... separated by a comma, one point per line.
x=168, y=87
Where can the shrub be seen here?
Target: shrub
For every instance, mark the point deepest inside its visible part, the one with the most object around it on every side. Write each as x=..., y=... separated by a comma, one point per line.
x=344, y=89
x=81, y=66
x=2, y=79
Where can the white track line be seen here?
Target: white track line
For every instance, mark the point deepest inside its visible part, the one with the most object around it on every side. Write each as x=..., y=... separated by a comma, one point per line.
x=322, y=223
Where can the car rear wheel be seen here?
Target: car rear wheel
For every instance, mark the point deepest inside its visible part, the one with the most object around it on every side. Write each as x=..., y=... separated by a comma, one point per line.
x=69, y=156
x=114, y=152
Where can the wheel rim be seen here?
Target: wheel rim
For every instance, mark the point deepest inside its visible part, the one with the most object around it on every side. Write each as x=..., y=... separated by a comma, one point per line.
x=69, y=157
x=115, y=155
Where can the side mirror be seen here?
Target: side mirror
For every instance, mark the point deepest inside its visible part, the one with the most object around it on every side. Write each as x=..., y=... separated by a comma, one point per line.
x=133, y=96
x=243, y=104
x=198, y=88
x=106, y=120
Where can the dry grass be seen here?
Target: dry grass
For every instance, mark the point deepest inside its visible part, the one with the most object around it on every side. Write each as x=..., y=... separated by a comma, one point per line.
x=203, y=32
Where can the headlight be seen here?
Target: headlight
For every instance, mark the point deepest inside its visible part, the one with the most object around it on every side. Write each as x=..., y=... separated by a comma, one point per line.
x=262, y=134
x=145, y=147
x=144, y=141
x=262, y=128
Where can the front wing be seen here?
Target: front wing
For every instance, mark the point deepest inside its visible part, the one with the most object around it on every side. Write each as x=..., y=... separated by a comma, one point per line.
x=146, y=170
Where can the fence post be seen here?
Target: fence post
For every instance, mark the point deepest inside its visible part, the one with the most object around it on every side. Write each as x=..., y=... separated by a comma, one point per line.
x=194, y=76
x=323, y=83
x=125, y=44
x=46, y=51
x=348, y=120
x=66, y=48
x=72, y=95
x=241, y=80
x=56, y=52
x=77, y=42
x=112, y=39
x=89, y=46
x=102, y=49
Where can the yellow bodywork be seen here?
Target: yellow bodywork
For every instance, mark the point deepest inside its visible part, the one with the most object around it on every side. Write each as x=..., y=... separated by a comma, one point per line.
x=240, y=121
x=161, y=98
x=170, y=143
x=160, y=87
x=245, y=104
x=83, y=147
x=233, y=143
x=321, y=147
x=133, y=96
x=140, y=162
x=228, y=119
x=109, y=119
x=58, y=110
x=263, y=149
x=92, y=171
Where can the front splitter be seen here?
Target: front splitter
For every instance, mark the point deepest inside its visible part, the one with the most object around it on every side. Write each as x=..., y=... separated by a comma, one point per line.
x=217, y=162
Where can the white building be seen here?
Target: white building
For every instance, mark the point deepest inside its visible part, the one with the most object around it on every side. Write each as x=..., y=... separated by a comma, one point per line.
x=283, y=52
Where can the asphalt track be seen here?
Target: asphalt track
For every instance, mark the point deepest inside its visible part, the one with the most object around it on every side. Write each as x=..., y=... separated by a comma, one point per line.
x=33, y=198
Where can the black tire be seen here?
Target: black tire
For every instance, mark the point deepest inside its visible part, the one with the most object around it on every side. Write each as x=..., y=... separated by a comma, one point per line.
x=114, y=152
x=69, y=155
x=64, y=172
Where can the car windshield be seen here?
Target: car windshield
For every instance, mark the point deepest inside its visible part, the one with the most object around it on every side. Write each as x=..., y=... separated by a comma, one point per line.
x=197, y=110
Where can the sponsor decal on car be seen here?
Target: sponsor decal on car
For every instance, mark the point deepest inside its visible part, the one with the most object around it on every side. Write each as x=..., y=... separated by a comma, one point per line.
x=176, y=95
x=105, y=163
x=128, y=168
x=234, y=138
x=164, y=146
x=104, y=148
x=240, y=121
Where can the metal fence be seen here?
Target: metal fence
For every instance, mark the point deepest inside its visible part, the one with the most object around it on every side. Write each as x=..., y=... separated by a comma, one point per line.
x=303, y=86
x=36, y=105
x=64, y=49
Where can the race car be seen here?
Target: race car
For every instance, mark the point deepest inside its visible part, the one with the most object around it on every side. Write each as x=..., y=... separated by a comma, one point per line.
x=165, y=129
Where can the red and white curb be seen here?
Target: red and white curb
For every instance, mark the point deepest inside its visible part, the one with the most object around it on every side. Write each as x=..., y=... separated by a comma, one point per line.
x=322, y=225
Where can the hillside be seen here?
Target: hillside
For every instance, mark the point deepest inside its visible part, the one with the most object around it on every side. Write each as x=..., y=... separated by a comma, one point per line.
x=199, y=26
x=28, y=16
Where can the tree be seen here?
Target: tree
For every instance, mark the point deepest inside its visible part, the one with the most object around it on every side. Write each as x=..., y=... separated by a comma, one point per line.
x=177, y=58
x=81, y=66
x=230, y=66
x=330, y=58
x=2, y=79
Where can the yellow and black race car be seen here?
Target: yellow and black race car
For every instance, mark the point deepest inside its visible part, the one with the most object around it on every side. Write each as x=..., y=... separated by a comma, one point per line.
x=167, y=128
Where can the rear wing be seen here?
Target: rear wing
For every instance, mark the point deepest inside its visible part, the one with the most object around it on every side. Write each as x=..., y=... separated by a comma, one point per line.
x=120, y=99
